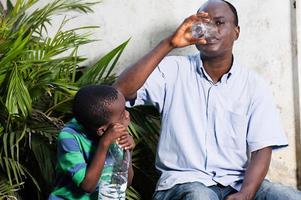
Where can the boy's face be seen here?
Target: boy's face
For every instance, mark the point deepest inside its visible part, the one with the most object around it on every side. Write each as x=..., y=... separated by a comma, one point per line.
x=118, y=112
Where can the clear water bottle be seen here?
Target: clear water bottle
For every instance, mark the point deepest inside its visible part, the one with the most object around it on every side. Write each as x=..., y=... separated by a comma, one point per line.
x=205, y=30
x=113, y=180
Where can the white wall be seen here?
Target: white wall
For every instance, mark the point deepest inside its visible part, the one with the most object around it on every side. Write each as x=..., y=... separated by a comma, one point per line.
x=265, y=44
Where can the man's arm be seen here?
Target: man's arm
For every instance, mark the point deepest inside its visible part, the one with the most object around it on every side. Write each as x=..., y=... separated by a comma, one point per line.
x=255, y=173
x=134, y=77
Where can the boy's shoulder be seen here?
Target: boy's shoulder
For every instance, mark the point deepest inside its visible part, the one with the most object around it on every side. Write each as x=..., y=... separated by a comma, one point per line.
x=72, y=130
x=73, y=138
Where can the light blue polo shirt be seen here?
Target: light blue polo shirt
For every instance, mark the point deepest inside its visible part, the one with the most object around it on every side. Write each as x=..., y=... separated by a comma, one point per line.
x=208, y=130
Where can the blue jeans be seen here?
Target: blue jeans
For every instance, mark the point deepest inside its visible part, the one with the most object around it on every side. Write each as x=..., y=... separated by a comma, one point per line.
x=198, y=191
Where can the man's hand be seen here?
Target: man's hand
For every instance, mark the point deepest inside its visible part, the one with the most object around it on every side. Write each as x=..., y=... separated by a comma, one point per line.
x=239, y=196
x=255, y=173
x=183, y=37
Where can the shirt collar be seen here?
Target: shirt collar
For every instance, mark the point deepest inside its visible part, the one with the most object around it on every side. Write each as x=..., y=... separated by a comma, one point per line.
x=74, y=124
x=201, y=70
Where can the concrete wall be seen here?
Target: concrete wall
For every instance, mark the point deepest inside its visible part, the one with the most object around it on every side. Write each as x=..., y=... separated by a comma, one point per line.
x=268, y=43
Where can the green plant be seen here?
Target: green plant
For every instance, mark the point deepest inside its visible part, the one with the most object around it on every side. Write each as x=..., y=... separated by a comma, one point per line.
x=38, y=78
x=145, y=128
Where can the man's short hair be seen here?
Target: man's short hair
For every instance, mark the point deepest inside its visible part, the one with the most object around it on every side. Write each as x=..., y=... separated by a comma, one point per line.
x=234, y=11
x=90, y=106
x=232, y=8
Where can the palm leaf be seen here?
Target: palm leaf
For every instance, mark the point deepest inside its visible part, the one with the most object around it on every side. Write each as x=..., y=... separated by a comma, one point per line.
x=13, y=169
x=145, y=125
x=18, y=100
x=45, y=156
x=16, y=48
x=7, y=190
x=35, y=69
x=102, y=69
x=132, y=194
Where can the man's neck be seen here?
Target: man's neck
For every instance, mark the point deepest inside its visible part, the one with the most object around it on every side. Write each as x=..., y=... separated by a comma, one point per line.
x=217, y=67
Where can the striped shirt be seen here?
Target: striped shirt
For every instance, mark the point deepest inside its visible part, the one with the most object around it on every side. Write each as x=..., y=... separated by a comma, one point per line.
x=75, y=150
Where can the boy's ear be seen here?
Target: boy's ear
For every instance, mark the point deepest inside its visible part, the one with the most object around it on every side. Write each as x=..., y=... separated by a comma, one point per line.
x=100, y=131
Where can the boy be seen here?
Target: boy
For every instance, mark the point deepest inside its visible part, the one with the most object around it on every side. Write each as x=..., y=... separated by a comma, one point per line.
x=99, y=119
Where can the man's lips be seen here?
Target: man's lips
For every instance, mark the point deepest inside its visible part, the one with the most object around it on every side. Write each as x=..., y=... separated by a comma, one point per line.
x=212, y=40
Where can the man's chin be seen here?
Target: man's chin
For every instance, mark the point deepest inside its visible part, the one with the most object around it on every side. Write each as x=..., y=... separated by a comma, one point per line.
x=208, y=49
x=209, y=54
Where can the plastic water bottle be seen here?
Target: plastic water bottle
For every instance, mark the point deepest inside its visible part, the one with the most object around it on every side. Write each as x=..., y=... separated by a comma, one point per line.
x=203, y=29
x=113, y=180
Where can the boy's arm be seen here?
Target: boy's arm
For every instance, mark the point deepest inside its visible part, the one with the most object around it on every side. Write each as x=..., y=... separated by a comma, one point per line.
x=94, y=170
x=130, y=171
x=134, y=77
x=256, y=171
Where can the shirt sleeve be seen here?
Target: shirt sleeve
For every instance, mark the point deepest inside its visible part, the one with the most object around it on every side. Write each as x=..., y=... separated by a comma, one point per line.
x=264, y=127
x=153, y=92
x=70, y=158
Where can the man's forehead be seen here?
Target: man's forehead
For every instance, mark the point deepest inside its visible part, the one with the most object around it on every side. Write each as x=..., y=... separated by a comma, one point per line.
x=217, y=8
x=213, y=4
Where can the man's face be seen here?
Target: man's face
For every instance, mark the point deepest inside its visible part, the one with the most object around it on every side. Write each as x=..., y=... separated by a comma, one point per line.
x=222, y=43
x=118, y=112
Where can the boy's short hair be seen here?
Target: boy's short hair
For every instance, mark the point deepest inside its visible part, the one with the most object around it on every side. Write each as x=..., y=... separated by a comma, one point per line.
x=90, y=106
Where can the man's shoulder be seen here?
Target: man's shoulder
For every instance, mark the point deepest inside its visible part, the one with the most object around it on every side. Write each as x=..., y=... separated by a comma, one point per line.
x=255, y=82
x=175, y=63
x=173, y=59
x=250, y=75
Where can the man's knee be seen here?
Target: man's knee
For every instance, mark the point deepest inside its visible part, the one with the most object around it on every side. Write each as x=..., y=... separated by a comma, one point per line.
x=195, y=191
x=275, y=191
x=191, y=191
x=197, y=194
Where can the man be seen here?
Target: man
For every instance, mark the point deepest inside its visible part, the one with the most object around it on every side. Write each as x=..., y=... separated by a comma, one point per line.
x=214, y=114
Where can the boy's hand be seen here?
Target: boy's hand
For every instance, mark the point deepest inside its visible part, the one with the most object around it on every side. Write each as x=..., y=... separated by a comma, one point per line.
x=113, y=132
x=126, y=142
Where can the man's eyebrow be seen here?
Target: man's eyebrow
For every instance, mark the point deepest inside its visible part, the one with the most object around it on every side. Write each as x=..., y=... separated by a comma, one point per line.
x=219, y=17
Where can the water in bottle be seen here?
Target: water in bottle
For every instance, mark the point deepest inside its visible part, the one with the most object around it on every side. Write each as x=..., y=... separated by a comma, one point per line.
x=113, y=181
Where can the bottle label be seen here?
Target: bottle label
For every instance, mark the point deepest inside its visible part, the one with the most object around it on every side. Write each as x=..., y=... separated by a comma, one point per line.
x=113, y=163
x=113, y=180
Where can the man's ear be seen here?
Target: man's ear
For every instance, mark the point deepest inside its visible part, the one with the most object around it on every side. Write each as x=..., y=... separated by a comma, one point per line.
x=100, y=131
x=237, y=32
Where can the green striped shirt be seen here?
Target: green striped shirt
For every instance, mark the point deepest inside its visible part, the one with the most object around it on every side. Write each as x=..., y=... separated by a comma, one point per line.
x=75, y=151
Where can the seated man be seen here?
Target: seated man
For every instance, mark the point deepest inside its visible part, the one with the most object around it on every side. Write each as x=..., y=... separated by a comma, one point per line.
x=215, y=113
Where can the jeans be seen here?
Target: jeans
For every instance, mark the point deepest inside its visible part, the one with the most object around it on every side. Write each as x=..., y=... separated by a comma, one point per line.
x=198, y=191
